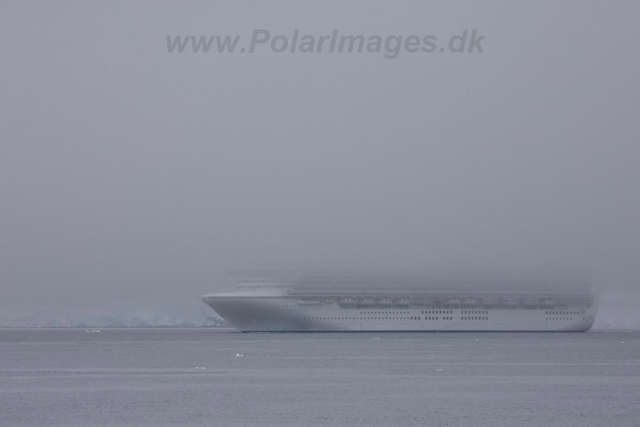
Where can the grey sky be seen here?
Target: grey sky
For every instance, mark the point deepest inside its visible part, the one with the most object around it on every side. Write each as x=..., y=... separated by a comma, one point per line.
x=131, y=175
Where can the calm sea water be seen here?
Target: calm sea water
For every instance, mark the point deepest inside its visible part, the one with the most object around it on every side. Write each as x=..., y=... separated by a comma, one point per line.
x=132, y=377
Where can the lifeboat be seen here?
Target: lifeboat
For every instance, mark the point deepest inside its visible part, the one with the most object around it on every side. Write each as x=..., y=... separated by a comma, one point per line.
x=385, y=302
x=366, y=302
x=469, y=301
x=403, y=301
x=489, y=302
x=531, y=302
x=510, y=302
x=346, y=302
x=548, y=302
x=452, y=301
x=309, y=302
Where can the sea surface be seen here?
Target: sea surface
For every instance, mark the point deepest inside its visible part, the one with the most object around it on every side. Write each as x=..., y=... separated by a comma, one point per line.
x=208, y=377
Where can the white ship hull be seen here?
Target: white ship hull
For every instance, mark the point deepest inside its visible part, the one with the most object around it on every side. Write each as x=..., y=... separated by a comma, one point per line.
x=281, y=313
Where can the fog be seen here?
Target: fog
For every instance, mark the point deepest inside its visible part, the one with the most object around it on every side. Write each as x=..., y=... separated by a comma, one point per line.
x=134, y=177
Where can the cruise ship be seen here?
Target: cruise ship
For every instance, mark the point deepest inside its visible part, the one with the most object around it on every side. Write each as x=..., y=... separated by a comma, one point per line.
x=316, y=303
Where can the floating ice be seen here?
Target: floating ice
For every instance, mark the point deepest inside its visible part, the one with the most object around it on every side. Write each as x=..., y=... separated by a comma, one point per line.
x=239, y=355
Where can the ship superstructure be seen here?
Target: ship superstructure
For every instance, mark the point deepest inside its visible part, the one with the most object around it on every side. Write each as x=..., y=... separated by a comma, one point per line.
x=321, y=303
